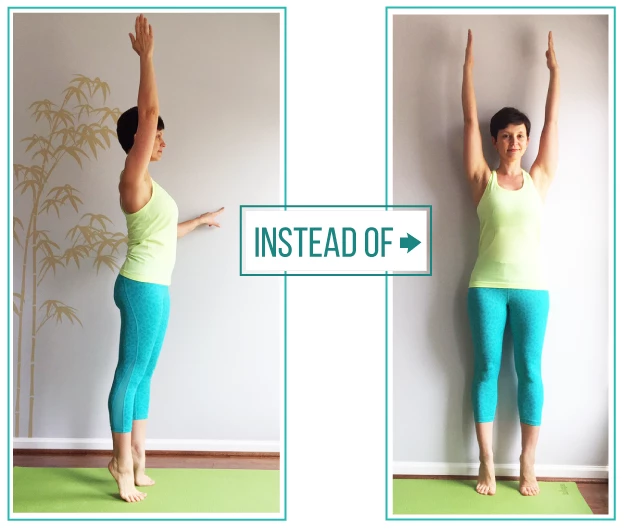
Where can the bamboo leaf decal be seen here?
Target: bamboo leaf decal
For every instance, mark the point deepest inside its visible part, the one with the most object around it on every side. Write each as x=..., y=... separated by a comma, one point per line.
x=86, y=108
x=66, y=137
x=107, y=259
x=76, y=253
x=49, y=262
x=59, y=311
x=106, y=112
x=16, y=221
x=97, y=218
x=36, y=139
x=61, y=195
x=30, y=184
x=88, y=136
x=73, y=151
x=77, y=93
x=17, y=296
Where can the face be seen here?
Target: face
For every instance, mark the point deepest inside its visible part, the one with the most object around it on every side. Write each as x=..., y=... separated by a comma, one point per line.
x=158, y=146
x=511, y=142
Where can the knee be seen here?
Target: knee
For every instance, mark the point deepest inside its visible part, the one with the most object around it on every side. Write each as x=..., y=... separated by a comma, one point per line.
x=486, y=372
x=530, y=373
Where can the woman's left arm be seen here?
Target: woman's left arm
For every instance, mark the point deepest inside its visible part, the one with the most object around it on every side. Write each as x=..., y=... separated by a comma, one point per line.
x=209, y=219
x=544, y=166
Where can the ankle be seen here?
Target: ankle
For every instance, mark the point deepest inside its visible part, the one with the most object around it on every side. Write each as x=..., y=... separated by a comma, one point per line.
x=137, y=449
x=486, y=457
x=527, y=458
x=122, y=465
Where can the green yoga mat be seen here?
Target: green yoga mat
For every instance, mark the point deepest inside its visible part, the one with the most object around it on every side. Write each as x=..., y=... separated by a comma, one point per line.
x=93, y=490
x=440, y=496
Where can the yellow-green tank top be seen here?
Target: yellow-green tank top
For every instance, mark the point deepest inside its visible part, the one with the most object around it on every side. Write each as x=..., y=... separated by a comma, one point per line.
x=152, y=234
x=509, y=253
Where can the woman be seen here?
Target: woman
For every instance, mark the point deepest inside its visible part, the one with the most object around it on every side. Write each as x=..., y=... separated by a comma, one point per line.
x=141, y=289
x=507, y=280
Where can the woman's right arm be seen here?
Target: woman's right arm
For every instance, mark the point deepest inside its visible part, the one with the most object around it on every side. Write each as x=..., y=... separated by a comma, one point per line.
x=475, y=165
x=135, y=189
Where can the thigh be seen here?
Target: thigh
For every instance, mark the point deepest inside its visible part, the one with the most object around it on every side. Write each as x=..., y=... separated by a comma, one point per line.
x=141, y=306
x=487, y=316
x=529, y=310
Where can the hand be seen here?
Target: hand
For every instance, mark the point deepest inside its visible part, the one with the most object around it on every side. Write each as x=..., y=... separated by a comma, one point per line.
x=549, y=54
x=143, y=42
x=468, y=56
x=209, y=218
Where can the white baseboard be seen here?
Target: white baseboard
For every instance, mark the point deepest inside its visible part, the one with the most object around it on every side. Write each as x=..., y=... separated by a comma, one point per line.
x=471, y=469
x=175, y=445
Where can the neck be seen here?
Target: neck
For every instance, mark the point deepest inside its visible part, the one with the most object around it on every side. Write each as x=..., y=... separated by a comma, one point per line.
x=509, y=168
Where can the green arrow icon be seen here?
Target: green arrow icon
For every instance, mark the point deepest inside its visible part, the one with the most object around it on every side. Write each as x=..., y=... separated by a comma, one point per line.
x=410, y=242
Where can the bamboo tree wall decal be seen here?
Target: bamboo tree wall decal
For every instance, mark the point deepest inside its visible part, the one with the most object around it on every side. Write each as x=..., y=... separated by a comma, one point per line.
x=89, y=238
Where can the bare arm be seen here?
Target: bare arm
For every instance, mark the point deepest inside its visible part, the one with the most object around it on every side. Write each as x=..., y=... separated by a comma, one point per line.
x=209, y=219
x=546, y=162
x=475, y=165
x=135, y=189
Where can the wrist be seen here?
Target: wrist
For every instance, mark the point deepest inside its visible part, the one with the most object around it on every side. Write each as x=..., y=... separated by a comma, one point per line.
x=146, y=56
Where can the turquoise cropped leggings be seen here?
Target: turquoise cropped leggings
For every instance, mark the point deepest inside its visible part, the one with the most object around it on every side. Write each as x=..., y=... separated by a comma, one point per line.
x=144, y=310
x=526, y=311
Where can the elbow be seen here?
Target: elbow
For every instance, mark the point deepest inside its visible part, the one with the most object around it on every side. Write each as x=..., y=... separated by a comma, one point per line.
x=148, y=113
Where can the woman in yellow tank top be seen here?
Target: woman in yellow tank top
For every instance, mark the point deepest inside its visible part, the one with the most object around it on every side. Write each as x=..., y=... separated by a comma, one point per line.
x=141, y=289
x=507, y=283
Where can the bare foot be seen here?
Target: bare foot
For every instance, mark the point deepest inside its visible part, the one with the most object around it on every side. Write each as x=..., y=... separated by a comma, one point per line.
x=124, y=478
x=486, y=477
x=527, y=481
x=139, y=469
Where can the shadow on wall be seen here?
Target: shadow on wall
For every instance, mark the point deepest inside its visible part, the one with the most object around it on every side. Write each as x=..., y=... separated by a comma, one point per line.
x=39, y=194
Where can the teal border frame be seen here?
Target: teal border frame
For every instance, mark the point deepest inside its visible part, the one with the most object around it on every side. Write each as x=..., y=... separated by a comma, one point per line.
x=146, y=9
x=611, y=9
x=285, y=274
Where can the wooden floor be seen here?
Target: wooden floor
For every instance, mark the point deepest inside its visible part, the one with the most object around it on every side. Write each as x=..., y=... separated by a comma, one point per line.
x=153, y=460
x=594, y=491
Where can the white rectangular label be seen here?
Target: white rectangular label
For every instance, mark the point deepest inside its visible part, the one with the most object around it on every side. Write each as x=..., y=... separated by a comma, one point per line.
x=358, y=240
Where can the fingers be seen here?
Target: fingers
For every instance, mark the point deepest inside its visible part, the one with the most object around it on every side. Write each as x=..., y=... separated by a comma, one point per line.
x=219, y=210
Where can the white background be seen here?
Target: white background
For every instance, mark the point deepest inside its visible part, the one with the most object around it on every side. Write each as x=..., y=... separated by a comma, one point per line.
x=336, y=443
x=392, y=258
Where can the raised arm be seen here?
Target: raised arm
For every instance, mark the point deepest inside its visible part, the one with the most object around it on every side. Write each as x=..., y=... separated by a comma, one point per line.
x=475, y=165
x=544, y=166
x=135, y=189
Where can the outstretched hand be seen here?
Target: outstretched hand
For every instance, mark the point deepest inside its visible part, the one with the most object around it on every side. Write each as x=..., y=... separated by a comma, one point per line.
x=209, y=218
x=468, y=56
x=549, y=54
x=142, y=42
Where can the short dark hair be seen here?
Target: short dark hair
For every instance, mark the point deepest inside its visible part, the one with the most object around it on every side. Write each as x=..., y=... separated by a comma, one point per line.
x=127, y=127
x=506, y=116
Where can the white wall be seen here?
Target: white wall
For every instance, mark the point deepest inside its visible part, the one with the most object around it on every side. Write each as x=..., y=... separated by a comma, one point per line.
x=219, y=376
x=433, y=358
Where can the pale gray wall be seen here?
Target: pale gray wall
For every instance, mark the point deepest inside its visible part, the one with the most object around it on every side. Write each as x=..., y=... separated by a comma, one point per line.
x=433, y=356
x=218, y=376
